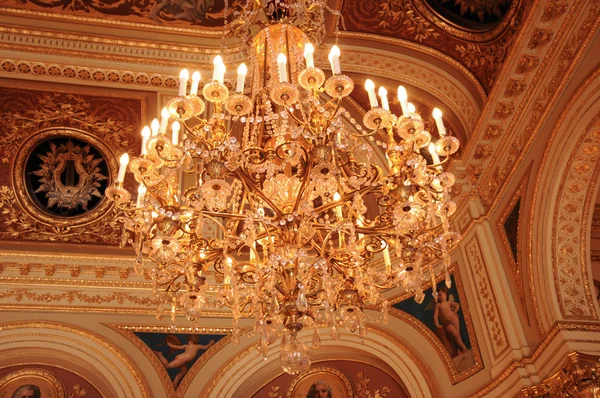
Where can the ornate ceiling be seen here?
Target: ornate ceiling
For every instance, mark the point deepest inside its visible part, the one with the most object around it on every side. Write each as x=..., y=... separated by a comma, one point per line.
x=519, y=84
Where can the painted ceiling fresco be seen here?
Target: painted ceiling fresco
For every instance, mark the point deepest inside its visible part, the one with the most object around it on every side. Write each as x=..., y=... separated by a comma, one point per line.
x=205, y=13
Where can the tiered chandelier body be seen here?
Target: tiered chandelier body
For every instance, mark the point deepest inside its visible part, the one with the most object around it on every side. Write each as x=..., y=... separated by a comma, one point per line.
x=269, y=201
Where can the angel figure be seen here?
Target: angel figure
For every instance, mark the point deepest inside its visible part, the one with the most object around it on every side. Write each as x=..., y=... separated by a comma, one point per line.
x=445, y=319
x=190, y=350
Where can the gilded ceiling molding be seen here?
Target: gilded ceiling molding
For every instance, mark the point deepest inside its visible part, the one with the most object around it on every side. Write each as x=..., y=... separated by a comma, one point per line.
x=17, y=330
x=579, y=376
x=569, y=177
x=194, y=30
x=166, y=54
x=569, y=227
x=502, y=134
x=404, y=19
x=39, y=69
x=466, y=34
x=515, y=365
x=127, y=331
x=489, y=308
x=61, y=300
x=529, y=111
x=476, y=89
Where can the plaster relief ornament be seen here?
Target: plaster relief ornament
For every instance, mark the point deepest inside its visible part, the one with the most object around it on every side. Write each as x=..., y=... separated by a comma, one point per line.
x=69, y=177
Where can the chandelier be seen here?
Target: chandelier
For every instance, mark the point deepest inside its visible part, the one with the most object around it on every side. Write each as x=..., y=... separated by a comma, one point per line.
x=268, y=198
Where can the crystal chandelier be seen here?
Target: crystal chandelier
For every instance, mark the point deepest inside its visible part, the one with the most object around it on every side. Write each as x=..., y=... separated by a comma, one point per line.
x=269, y=201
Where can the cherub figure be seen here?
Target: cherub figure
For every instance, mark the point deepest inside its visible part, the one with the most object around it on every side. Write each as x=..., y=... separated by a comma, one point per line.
x=190, y=350
x=445, y=318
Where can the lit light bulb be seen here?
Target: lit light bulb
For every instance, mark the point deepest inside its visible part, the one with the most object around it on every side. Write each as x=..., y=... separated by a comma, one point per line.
x=124, y=160
x=164, y=120
x=370, y=87
x=241, y=77
x=403, y=98
x=217, y=62
x=183, y=78
x=309, y=50
x=155, y=125
x=411, y=108
x=141, y=192
x=281, y=63
x=437, y=116
x=384, y=99
x=334, y=60
x=195, y=82
x=145, y=135
x=175, y=129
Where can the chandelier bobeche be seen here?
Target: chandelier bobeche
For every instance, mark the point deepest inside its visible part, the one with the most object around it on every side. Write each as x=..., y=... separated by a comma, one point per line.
x=269, y=200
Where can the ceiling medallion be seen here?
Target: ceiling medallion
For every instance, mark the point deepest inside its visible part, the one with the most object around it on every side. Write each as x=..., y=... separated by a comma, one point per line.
x=62, y=174
x=269, y=200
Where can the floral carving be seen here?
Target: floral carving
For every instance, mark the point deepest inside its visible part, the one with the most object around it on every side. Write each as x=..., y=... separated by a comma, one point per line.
x=493, y=131
x=78, y=392
x=554, y=9
x=27, y=116
x=527, y=63
x=540, y=38
x=578, y=377
x=18, y=295
x=363, y=391
x=515, y=87
x=504, y=110
x=411, y=20
x=398, y=12
x=24, y=113
x=483, y=151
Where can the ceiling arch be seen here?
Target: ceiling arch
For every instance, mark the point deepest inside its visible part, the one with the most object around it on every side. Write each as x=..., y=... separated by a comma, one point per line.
x=562, y=243
x=112, y=371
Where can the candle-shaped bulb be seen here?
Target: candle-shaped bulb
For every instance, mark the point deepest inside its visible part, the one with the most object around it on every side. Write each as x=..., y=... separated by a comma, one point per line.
x=384, y=99
x=141, y=193
x=175, y=129
x=124, y=160
x=411, y=108
x=155, y=125
x=241, y=77
x=403, y=98
x=217, y=62
x=281, y=63
x=145, y=135
x=195, y=82
x=334, y=60
x=437, y=116
x=164, y=120
x=183, y=78
x=222, y=69
x=434, y=155
x=338, y=209
x=370, y=87
x=309, y=50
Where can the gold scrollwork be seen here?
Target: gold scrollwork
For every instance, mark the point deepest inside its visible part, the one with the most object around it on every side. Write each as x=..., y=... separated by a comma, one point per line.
x=578, y=377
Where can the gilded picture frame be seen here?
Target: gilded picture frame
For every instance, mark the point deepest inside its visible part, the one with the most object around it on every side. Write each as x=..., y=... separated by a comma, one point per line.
x=334, y=381
x=43, y=384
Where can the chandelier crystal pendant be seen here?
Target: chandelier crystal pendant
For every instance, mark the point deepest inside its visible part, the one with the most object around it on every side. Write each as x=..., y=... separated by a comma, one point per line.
x=269, y=201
